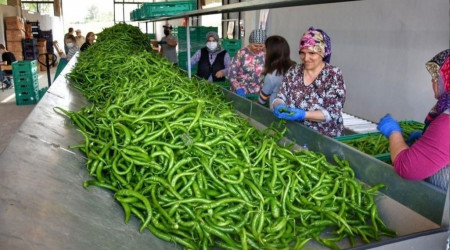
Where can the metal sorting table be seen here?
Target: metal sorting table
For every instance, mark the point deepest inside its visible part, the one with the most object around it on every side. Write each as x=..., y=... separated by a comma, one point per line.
x=43, y=204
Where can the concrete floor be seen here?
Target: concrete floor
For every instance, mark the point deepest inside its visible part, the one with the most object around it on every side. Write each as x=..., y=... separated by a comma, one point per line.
x=12, y=115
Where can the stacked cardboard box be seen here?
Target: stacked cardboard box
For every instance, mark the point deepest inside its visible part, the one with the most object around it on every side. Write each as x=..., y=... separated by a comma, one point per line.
x=42, y=48
x=15, y=32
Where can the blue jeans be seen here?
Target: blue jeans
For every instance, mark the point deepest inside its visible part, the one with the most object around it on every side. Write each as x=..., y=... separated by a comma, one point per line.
x=3, y=78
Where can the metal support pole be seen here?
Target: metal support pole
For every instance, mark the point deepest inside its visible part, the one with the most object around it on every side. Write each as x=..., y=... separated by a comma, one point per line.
x=47, y=63
x=114, y=12
x=123, y=13
x=188, y=41
x=146, y=27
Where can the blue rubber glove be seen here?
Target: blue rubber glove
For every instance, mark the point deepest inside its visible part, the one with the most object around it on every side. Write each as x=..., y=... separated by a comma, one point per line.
x=293, y=114
x=241, y=92
x=388, y=125
x=277, y=111
x=416, y=134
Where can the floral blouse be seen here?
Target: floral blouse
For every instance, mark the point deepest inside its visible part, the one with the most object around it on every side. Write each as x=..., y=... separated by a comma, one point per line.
x=246, y=71
x=326, y=93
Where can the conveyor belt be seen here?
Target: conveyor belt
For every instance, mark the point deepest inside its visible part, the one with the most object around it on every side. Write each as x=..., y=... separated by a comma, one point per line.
x=358, y=125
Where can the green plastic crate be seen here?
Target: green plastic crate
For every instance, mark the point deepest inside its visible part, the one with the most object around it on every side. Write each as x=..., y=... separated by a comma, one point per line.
x=386, y=157
x=25, y=68
x=253, y=97
x=193, y=33
x=139, y=15
x=348, y=138
x=182, y=65
x=203, y=30
x=231, y=44
x=406, y=131
x=133, y=15
x=42, y=92
x=355, y=136
x=161, y=9
x=225, y=84
x=27, y=97
x=151, y=36
x=232, y=52
x=26, y=79
x=25, y=101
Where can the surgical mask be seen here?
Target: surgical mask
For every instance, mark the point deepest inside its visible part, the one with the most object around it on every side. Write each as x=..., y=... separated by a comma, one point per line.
x=166, y=32
x=211, y=45
x=69, y=45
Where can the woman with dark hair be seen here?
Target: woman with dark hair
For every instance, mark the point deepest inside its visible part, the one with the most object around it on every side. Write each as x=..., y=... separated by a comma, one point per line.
x=277, y=63
x=90, y=37
x=313, y=92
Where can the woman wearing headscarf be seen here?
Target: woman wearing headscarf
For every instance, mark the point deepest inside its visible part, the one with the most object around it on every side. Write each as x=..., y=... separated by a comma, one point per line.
x=213, y=61
x=313, y=92
x=428, y=157
x=248, y=64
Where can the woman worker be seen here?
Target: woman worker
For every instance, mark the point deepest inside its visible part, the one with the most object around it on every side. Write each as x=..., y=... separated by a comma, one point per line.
x=213, y=61
x=313, y=92
x=248, y=64
x=428, y=157
x=277, y=63
x=90, y=37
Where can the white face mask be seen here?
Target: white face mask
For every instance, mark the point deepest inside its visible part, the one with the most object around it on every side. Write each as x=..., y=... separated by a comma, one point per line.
x=69, y=45
x=211, y=45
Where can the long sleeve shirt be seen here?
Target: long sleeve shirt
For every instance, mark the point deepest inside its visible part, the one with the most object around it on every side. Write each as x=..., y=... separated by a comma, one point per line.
x=246, y=71
x=326, y=93
x=212, y=58
x=272, y=83
x=428, y=156
x=72, y=51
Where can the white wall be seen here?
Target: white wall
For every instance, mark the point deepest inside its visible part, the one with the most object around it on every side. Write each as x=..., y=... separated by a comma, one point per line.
x=380, y=45
x=47, y=22
x=5, y=11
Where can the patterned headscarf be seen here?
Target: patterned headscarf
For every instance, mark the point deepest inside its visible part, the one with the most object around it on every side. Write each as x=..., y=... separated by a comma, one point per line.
x=258, y=36
x=318, y=41
x=438, y=67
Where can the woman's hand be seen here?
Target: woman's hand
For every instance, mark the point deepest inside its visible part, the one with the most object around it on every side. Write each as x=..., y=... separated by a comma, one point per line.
x=291, y=114
x=219, y=74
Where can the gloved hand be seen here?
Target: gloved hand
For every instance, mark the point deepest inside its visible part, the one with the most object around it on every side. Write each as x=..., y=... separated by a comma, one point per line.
x=240, y=92
x=388, y=125
x=416, y=134
x=293, y=114
x=278, y=110
x=162, y=42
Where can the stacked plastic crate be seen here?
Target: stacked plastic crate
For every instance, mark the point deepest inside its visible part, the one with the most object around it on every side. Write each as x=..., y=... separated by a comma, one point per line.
x=162, y=9
x=30, y=49
x=231, y=46
x=26, y=83
x=34, y=28
x=48, y=36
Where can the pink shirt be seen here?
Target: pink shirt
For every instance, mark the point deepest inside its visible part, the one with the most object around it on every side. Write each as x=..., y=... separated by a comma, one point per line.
x=428, y=155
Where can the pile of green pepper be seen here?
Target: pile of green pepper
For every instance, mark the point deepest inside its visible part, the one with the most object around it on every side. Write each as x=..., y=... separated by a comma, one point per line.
x=178, y=158
x=376, y=143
